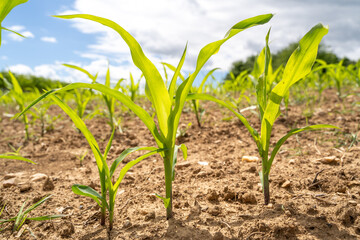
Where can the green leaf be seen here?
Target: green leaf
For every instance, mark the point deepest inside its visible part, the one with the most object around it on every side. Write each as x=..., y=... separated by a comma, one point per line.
x=158, y=91
x=124, y=154
x=19, y=217
x=208, y=97
x=166, y=201
x=297, y=67
x=292, y=132
x=204, y=55
x=46, y=217
x=35, y=205
x=132, y=163
x=16, y=158
x=176, y=73
x=92, y=77
x=87, y=192
x=5, y=7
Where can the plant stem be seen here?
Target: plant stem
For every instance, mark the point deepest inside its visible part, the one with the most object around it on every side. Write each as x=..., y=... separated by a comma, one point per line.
x=196, y=113
x=111, y=209
x=266, y=188
x=168, y=181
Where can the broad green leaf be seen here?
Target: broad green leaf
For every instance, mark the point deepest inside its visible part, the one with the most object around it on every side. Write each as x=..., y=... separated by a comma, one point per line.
x=16, y=158
x=204, y=55
x=5, y=7
x=297, y=67
x=292, y=132
x=140, y=112
x=87, y=192
x=158, y=91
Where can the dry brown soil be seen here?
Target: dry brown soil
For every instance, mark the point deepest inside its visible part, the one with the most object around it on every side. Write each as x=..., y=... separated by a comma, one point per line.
x=314, y=183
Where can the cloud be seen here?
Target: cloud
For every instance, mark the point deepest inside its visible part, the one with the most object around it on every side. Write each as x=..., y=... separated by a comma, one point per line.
x=22, y=30
x=49, y=39
x=163, y=27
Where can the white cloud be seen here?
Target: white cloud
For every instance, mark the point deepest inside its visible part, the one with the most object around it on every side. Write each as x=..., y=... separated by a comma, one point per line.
x=49, y=39
x=163, y=27
x=22, y=30
x=21, y=69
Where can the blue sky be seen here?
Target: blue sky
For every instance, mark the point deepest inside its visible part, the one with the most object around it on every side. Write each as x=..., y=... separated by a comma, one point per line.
x=163, y=27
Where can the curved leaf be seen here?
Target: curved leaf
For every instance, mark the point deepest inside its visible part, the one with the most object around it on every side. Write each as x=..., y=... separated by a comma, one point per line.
x=88, y=192
x=292, y=132
x=158, y=91
x=16, y=158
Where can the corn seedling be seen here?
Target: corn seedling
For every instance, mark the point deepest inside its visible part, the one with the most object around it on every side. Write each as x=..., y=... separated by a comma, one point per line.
x=297, y=67
x=15, y=155
x=168, y=109
x=5, y=8
x=18, y=94
x=105, y=173
x=134, y=87
x=22, y=215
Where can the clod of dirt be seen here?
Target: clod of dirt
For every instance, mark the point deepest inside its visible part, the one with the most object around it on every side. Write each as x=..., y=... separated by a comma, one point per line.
x=347, y=215
x=149, y=216
x=230, y=196
x=329, y=160
x=252, y=169
x=215, y=211
x=183, y=165
x=66, y=229
x=248, y=198
x=48, y=185
x=218, y=236
x=25, y=187
x=212, y=196
x=9, y=183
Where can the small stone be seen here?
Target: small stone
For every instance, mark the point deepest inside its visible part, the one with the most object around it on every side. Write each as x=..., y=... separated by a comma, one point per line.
x=9, y=183
x=249, y=198
x=127, y=224
x=48, y=185
x=218, y=236
x=38, y=177
x=150, y=216
x=252, y=169
x=286, y=184
x=352, y=202
x=329, y=160
x=249, y=159
x=292, y=161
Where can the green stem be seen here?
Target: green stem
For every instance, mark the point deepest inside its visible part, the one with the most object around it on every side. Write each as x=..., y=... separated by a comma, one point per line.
x=111, y=209
x=168, y=181
x=196, y=113
x=266, y=188
x=103, y=194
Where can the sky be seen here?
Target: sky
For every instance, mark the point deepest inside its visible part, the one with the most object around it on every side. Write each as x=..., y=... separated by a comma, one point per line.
x=163, y=28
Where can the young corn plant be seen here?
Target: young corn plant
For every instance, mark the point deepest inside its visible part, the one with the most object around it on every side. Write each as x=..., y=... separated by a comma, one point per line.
x=5, y=8
x=22, y=215
x=268, y=101
x=168, y=103
x=106, y=198
x=17, y=93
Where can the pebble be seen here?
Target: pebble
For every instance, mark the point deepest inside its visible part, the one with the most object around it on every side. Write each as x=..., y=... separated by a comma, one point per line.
x=292, y=161
x=150, y=216
x=329, y=160
x=249, y=159
x=127, y=224
x=286, y=184
x=182, y=165
x=38, y=177
x=213, y=196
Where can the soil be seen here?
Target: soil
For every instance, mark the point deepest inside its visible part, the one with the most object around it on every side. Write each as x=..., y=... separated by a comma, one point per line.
x=314, y=181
